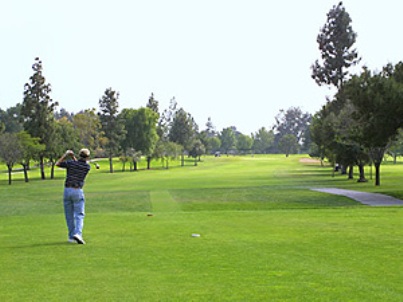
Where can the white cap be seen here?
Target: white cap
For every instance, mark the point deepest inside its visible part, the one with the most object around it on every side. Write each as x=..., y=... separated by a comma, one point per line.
x=84, y=153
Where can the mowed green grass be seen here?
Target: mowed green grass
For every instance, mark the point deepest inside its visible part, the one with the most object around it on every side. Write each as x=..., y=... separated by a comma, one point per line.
x=264, y=235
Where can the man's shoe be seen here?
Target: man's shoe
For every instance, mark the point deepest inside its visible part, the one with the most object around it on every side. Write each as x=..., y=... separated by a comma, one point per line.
x=79, y=239
x=71, y=240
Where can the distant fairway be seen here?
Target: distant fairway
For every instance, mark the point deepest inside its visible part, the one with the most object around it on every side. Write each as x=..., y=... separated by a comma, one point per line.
x=264, y=235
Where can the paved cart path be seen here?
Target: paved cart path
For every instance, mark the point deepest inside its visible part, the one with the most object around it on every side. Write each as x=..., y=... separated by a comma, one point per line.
x=371, y=199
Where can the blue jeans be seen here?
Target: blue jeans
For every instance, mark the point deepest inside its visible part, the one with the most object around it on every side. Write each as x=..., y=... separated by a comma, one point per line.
x=74, y=204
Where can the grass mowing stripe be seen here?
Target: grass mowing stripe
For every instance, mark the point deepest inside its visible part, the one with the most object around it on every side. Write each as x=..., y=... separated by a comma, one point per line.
x=162, y=201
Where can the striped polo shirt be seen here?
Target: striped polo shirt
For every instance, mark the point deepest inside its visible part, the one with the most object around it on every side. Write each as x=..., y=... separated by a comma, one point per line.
x=76, y=172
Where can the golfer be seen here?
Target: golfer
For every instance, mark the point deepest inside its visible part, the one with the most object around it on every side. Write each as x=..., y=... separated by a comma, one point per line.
x=73, y=198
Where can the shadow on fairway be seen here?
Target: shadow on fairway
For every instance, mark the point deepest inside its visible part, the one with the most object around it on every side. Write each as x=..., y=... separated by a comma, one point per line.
x=41, y=244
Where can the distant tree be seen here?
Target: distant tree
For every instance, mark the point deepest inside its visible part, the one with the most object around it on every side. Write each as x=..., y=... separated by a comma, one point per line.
x=11, y=119
x=153, y=104
x=124, y=159
x=37, y=110
x=322, y=133
x=172, y=152
x=306, y=140
x=263, y=140
x=88, y=126
x=203, y=137
x=167, y=151
x=10, y=151
x=197, y=150
x=288, y=144
x=165, y=120
x=244, y=143
x=335, y=40
x=141, y=127
x=210, y=128
x=31, y=148
x=158, y=152
x=65, y=138
x=112, y=125
x=132, y=156
x=214, y=143
x=135, y=157
x=209, y=138
x=63, y=113
x=183, y=129
x=128, y=118
x=211, y=143
x=228, y=139
x=292, y=121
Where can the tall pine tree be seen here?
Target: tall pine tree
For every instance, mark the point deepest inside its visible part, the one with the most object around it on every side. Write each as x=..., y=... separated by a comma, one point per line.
x=335, y=40
x=112, y=125
x=38, y=109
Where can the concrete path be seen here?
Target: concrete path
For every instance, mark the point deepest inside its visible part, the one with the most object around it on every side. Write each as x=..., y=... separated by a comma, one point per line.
x=371, y=199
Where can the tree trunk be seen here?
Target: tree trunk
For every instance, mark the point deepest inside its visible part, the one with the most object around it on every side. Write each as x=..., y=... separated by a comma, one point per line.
x=10, y=169
x=343, y=170
x=370, y=171
x=110, y=164
x=350, y=172
x=42, y=167
x=377, y=173
x=25, y=167
x=148, y=162
x=362, y=173
x=377, y=155
x=52, y=171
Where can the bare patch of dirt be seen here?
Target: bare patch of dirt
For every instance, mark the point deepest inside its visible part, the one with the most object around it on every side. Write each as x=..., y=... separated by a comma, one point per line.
x=308, y=160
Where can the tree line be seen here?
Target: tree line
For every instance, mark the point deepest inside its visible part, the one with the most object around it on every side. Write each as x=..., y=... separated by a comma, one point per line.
x=34, y=131
x=356, y=127
x=363, y=120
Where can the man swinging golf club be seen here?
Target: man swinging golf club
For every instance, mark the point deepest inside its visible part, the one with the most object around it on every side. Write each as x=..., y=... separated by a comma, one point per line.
x=73, y=197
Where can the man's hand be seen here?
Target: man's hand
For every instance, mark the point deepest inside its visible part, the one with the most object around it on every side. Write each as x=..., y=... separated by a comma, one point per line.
x=69, y=153
x=63, y=158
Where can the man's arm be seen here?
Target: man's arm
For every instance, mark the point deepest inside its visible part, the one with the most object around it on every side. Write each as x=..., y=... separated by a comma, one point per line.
x=63, y=157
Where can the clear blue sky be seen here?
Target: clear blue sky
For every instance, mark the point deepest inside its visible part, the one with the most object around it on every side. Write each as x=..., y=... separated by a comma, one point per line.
x=238, y=62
